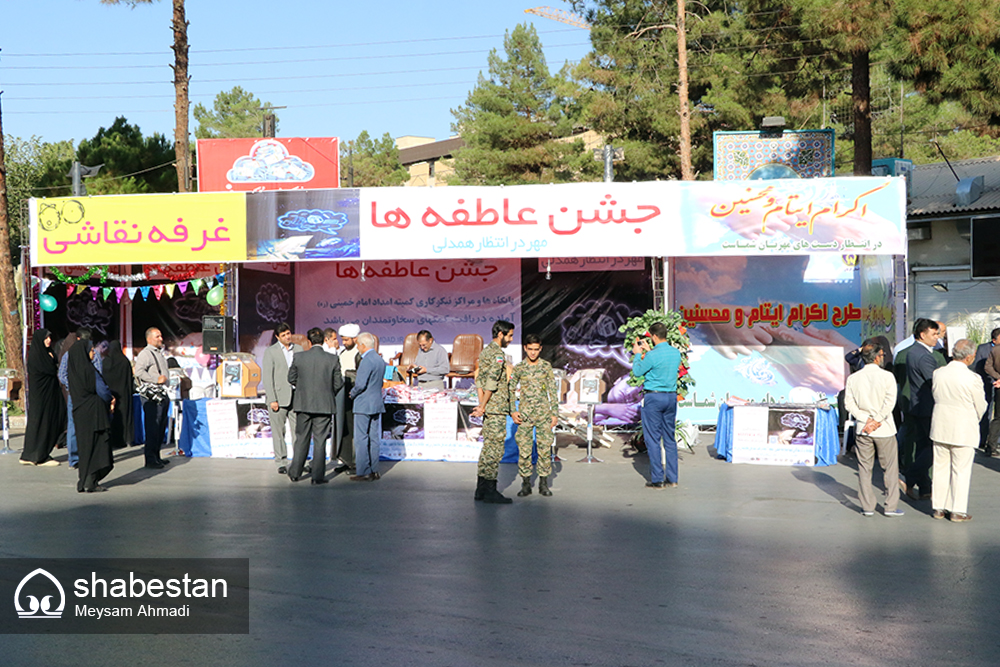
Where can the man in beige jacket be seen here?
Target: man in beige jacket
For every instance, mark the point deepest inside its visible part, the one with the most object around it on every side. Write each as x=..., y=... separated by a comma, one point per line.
x=959, y=404
x=869, y=397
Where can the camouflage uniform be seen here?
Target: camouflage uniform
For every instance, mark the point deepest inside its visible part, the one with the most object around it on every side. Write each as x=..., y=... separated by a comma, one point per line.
x=538, y=404
x=493, y=377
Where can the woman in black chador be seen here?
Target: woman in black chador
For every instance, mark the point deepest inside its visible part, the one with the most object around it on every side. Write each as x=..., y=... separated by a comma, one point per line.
x=118, y=374
x=46, y=405
x=92, y=402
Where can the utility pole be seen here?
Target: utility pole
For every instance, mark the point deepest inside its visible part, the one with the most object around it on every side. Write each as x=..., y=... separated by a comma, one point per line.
x=78, y=172
x=269, y=122
x=8, y=292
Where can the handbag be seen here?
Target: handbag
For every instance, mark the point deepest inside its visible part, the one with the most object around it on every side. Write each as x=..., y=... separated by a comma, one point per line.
x=150, y=391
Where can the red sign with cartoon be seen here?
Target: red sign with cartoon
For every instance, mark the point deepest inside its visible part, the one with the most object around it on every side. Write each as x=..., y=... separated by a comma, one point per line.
x=252, y=165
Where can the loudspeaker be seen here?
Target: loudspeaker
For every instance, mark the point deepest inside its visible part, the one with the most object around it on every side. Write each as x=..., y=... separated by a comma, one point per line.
x=218, y=334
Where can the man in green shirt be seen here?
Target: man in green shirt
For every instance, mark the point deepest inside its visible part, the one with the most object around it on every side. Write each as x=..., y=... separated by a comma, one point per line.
x=492, y=386
x=536, y=415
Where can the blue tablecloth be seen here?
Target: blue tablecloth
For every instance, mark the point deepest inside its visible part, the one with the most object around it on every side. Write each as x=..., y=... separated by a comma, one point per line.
x=827, y=440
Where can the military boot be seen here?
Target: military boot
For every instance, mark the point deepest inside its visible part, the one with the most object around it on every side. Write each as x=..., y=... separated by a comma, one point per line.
x=525, y=487
x=543, y=486
x=492, y=495
x=480, y=488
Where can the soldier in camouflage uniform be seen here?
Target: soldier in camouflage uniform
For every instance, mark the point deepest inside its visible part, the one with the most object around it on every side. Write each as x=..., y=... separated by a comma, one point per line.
x=492, y=385
x=536, y=415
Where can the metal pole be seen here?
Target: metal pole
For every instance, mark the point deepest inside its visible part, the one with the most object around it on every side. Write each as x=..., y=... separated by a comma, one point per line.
x=609, y=172
x=590, y=458
x=6, y=434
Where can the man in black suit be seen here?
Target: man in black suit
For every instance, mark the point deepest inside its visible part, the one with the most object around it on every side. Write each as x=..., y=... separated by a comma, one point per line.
x=315, y=374
x=920, y=366
x=979, y=366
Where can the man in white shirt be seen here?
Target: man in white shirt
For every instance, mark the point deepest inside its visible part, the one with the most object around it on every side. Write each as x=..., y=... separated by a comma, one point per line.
x=343, y=432
x=869, y=397
x=279, y=391
x=331, y=343
x=151, y=366
x=431, y=364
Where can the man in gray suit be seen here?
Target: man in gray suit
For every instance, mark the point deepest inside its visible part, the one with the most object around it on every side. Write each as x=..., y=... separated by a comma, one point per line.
x=368, y=409
x=315, y=374
x=959, y=403
x=278, y=390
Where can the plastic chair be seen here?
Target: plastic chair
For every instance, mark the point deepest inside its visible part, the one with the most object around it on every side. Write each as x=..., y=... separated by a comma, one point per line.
x=408, y=356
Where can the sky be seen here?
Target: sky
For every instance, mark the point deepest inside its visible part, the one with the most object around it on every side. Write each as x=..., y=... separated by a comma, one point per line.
x=69, y=67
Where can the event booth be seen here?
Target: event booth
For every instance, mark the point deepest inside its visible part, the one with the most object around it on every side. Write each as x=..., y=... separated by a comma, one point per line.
x=775, y=280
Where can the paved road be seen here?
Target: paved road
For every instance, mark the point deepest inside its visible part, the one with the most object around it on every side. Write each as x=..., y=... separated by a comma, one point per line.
x=740, y=565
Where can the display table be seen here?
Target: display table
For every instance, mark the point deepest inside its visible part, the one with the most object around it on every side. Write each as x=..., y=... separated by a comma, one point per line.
x=431, y=425
x=777, y=434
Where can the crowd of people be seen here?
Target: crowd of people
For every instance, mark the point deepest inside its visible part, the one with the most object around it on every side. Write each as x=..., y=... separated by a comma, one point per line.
x=919, y=409
x=923, y=420
x=81, y=397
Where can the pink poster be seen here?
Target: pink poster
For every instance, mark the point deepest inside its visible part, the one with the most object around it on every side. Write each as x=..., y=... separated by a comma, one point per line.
x=396, y=298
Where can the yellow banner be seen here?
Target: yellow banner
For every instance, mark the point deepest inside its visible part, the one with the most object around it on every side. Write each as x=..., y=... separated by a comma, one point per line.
x=136, y=229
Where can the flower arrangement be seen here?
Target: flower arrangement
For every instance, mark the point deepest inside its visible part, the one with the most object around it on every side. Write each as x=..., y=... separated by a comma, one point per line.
x=637, y=327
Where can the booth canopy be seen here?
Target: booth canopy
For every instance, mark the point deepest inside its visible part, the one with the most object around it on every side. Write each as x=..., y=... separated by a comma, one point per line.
x=673, y=218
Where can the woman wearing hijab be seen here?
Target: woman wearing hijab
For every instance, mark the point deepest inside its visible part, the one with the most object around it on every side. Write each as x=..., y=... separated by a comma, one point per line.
x=91, y=401
x=118, y=375
x=46, y=406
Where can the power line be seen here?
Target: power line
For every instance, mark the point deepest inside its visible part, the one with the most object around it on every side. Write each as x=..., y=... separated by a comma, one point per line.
x=272, y=62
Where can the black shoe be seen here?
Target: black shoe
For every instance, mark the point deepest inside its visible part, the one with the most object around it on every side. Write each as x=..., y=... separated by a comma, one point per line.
x=282, y=470
x=480, y=488
x=493, y=496
x=543, y=486
x=96, y=489
x=293, y=479
x=155, y=465
x=525, y=487
x=306, y=469
x=340, y=469
x=654, y=485
x=165, y=461
x=317, y=481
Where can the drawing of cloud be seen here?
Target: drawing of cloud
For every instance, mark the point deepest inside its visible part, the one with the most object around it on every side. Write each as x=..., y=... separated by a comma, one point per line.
x=269, y=162
x=313, y=220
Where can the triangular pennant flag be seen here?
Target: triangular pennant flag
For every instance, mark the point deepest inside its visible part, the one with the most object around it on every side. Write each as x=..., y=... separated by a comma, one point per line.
x=94, y=290
x=69, y=290
x=34, y=280
x=131, y=292
x=210, y=282
x=221, y=278
x=80, y=288
x=106, y=292
x=145, y=292
x=196, y=285
x=45, y=284
x=119, y=291
x=182, y=286
x=170, y=290
x=158, y=290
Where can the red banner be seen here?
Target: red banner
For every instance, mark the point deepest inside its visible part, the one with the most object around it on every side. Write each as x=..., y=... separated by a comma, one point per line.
x=233, y=165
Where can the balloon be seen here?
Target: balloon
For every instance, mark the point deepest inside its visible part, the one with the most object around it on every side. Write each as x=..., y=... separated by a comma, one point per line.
x=215, y=295
x=48, y=303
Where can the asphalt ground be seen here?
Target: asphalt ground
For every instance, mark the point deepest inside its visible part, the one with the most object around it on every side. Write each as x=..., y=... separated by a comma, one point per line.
x=739, y=565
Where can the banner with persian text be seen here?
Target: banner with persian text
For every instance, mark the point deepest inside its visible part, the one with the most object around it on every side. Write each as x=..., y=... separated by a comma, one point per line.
x=397, y=298
x=778, y=218
x=767, y=329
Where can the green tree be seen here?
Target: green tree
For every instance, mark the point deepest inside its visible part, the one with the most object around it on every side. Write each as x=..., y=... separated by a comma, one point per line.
x=32, y=165
x=368, y=162
x=178, y=26
x=514, y=118
x=132, y=163
x=950, y=51
x=235, y=114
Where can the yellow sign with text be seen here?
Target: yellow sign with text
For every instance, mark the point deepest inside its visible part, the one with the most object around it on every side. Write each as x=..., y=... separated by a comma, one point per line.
x=136, y=229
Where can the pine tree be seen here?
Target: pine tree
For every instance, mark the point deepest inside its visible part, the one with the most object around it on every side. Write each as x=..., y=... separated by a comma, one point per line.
x=371, y=163
x=512, y=119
